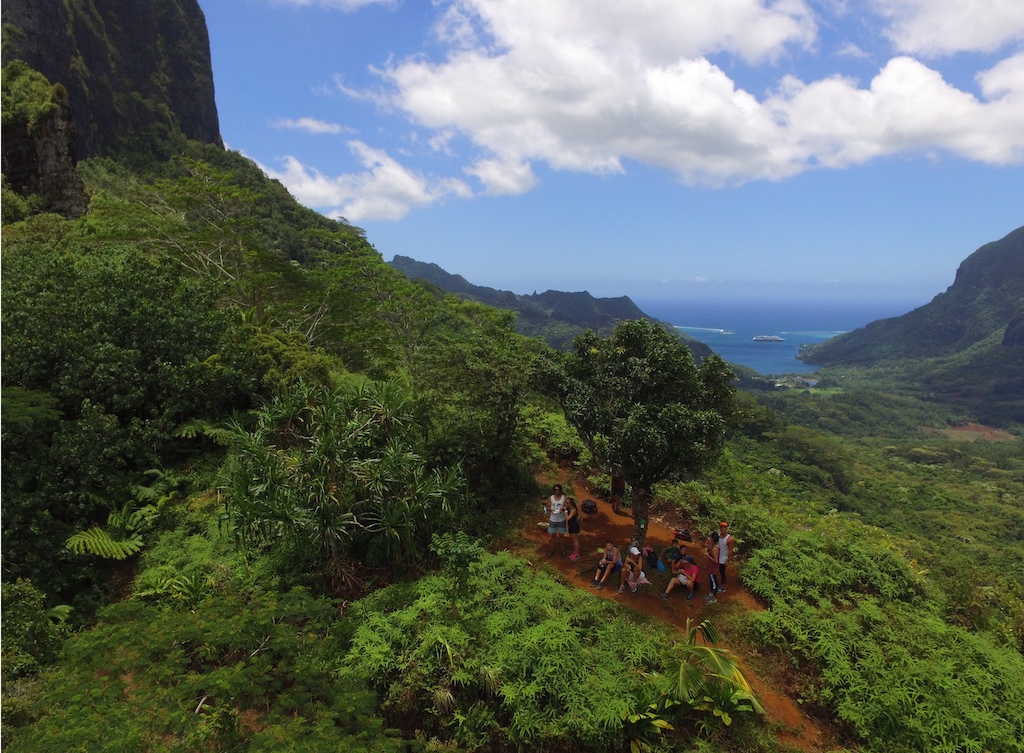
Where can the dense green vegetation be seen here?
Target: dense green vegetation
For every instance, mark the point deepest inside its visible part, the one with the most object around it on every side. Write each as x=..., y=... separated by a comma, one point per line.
x=638, y=402
x=252, y=475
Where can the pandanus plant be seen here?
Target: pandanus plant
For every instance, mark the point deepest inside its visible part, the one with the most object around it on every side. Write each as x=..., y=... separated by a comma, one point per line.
x=336, y=474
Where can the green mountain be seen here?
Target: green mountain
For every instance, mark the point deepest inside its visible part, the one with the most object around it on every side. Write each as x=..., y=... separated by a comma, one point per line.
x=557, y=317
x=967, y=344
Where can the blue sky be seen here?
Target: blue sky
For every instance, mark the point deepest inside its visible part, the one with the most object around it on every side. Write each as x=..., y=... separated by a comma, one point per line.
x=656, y=148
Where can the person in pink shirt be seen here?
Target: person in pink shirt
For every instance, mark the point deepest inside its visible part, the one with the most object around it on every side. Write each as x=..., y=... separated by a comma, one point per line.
x=684, y=573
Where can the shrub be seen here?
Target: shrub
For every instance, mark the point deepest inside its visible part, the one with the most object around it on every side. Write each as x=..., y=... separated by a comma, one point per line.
x=231, y=674
x=850, y=613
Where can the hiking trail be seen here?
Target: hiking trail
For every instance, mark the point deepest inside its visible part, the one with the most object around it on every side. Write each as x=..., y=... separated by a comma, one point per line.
x=795, y=728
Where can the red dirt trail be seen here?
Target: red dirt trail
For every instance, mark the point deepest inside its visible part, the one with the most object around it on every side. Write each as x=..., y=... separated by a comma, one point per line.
x=798, y=730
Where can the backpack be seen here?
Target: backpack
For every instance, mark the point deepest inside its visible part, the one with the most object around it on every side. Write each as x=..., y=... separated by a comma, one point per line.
x=652, y=558
x=589, y=506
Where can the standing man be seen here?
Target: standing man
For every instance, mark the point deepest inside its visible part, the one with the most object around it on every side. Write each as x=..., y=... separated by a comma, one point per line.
x=618, y=487
x=555, y=505
x=712, y=550
x=724, y=553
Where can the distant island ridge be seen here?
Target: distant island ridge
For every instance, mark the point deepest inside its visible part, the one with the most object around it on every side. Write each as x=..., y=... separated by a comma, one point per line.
x=722, y=327
x=557, y=317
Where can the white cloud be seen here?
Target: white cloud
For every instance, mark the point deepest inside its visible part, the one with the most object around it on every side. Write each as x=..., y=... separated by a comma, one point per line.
x=908, y=108
x=942, y=27
x=850, y=50
x=1006, y=78
x=309, y=125
x=591, y=86
x=504, y=177
x=386, y=190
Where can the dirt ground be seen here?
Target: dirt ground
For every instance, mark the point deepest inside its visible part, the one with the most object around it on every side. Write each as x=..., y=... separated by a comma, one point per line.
x=796, y=729
x=974, y=432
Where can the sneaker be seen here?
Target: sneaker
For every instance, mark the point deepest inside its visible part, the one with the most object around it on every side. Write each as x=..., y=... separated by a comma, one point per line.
x=709, y=599
x=593, y=583
x=663, y=596
x=633, y=587
x=573, y=557
x=720, y=591
x=551, y=552
x=622, y=589
x=600, y=586
x=689, y=597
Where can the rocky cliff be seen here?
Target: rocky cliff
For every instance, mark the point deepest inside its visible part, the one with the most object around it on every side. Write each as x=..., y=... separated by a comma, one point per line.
x=38, y=146
x=137, y=72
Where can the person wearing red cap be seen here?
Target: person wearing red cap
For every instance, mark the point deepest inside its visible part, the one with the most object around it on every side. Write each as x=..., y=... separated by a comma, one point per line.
x=724, y=553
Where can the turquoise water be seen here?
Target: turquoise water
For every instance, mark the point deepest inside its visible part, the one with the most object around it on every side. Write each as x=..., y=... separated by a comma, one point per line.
x=729, y=327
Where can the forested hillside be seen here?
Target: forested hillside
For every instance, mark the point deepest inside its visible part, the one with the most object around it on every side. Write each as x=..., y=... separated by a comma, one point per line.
x=964, y=346
x=262, y=492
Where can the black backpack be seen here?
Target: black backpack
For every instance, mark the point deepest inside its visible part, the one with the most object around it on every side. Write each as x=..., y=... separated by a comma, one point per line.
x=652, y=558
x=589, y=506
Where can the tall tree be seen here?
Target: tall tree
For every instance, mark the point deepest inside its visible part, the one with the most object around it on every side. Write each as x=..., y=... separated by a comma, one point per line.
x=637, y=400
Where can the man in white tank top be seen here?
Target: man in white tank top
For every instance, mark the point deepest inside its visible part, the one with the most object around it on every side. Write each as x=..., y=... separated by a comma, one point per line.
x=555, y=505
x=724, y=552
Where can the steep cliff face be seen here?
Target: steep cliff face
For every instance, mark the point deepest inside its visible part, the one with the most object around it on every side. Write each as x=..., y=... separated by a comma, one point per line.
x=137, y=72
x=38, y=143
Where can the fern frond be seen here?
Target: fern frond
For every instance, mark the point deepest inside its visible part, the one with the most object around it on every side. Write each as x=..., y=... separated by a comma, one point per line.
x=99, y=542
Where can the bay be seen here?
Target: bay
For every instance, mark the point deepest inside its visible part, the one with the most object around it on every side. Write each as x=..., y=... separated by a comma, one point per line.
x=729, y=326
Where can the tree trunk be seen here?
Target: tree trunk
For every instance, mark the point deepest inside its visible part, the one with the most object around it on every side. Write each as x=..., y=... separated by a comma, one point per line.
x=641, y=508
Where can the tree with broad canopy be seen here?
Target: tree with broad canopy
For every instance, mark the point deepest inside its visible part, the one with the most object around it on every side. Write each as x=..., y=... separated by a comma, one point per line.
x=637, y=400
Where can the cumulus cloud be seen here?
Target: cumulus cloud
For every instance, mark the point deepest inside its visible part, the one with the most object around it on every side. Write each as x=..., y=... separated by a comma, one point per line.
x=503, y=177
x=850, y=50
x=592, y=86
x=908, y=107
x=385, y=190
x=1006, y=78
x=309, y=125
x=942, y=27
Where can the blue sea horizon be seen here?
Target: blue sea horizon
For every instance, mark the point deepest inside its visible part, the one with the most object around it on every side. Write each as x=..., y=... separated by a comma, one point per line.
x=728, y=327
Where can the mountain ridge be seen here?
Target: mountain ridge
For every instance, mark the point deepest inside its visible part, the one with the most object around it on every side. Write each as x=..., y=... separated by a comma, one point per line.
x=965, y=346
x=556, y=316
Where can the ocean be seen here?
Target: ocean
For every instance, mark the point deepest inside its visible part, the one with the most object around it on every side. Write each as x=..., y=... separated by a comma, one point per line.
x=729, y=327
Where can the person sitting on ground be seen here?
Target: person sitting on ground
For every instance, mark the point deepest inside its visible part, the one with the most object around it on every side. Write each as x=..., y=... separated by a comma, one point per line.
x=632, y=569
x=611, y=561
x=673, y=552
x=684, y=573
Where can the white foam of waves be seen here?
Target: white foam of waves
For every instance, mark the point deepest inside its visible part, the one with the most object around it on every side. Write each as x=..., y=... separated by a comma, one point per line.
x=704, y=329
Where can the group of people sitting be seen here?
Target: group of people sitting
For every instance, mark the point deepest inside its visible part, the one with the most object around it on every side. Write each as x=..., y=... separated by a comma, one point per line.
x=564, y=518
x=685, y=572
